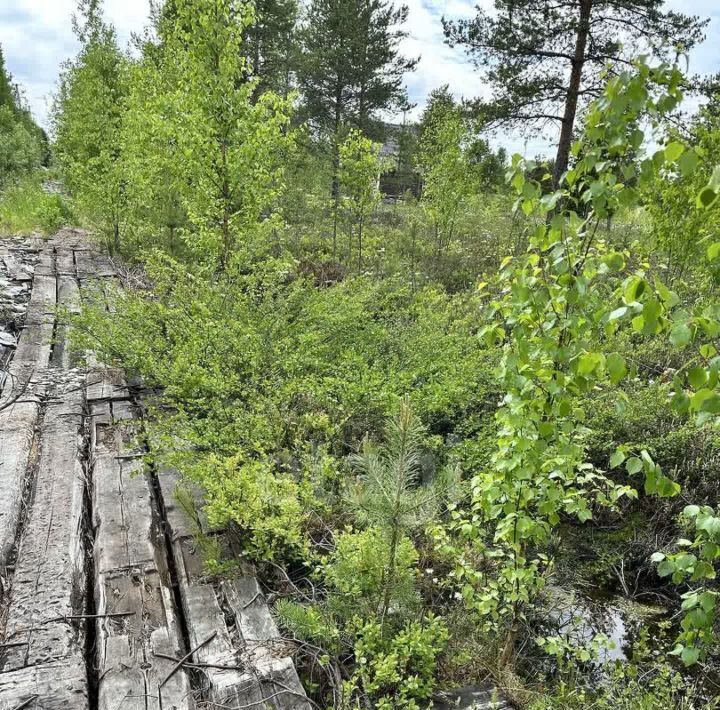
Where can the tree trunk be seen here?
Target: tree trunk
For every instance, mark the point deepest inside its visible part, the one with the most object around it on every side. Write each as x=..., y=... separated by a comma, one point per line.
x=573, y=92
x=336, y=163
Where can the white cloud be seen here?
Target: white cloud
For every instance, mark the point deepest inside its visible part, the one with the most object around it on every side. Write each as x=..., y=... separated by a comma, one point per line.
x=36, y=36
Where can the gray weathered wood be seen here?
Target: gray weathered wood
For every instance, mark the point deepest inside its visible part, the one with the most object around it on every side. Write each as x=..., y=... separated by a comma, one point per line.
x=105, y=384
x=48, y=583
x=55, y=685
x=17, y=425
x=65, y=262
x=129, y=668
x=132, y=573
x=49, y=579
x=262, y=673
x=35, y=343
x=122, y=514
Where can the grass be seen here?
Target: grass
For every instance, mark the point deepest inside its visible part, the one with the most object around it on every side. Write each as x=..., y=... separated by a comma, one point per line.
x=26, y=208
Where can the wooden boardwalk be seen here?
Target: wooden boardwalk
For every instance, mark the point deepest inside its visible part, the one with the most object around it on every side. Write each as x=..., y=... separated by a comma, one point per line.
x=101, y=587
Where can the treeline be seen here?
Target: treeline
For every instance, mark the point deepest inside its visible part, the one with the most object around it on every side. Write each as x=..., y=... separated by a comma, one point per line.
x=23, y=144
x=239, y=120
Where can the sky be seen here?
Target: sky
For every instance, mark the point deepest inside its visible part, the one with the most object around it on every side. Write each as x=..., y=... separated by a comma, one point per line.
x=36, y=37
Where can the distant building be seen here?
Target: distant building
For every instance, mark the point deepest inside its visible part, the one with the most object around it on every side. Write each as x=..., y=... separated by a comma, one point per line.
x=398, y=149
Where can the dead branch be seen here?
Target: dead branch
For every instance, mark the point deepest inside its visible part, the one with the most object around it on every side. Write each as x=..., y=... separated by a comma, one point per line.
x=179, y=664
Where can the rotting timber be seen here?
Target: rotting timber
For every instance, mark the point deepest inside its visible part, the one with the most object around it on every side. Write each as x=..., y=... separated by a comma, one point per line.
x=103, y=603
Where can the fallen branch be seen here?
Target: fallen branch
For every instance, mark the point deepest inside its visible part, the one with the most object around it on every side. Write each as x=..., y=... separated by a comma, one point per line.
x=73, y=617
x=114, y=615
x=25, y=703
x=195, y=664
x=185, y=657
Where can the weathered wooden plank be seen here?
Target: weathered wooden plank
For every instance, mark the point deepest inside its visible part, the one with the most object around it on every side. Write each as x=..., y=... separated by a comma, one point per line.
x=122, y=494
x=204, y=617
x=132, y=574
x=183, y=523
x=105, y=384
x=45, y=265
x=17, y=425
x=68, y=295
x=65, y=262
x=49, y=580
x=252, y=647
x=35, y=343
x=56, y=685
x=130, y=669
x=263, y=651
x=122, y=514
x=280, y=685
x=248, y=603
x=93, y=264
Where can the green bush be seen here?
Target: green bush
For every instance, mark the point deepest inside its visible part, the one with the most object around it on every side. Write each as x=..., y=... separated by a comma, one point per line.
x=398, y=671
x=25, y=207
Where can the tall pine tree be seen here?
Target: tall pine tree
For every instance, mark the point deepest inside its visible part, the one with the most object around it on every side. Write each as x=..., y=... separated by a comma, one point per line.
x=545, y=59
x=351, y=66
x=270, y=45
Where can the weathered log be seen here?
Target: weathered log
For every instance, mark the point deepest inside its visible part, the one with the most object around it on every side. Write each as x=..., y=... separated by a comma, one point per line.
x=132, y=572
x=49, y=579
x=55, y=685
x=17, y=425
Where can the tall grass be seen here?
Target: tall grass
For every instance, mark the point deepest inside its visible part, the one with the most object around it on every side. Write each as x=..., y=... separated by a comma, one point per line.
x=26, y=208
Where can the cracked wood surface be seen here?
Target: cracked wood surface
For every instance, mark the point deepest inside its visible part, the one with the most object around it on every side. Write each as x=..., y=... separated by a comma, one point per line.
x=101, y=584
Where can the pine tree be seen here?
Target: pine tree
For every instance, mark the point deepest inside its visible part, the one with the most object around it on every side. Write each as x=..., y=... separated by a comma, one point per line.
x=351, y=66
x=389, y=495
x=544, y=60
x=270, y=45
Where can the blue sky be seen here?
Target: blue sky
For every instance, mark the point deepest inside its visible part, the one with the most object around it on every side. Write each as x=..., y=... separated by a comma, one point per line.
x=36, y=36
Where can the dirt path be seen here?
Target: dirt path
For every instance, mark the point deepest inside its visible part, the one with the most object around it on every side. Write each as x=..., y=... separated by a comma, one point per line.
x=101, y=587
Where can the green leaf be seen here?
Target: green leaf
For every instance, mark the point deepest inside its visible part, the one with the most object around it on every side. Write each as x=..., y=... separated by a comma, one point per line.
x=588, y=362
x=673, y=151
x=616, y=367
x=680, y=335
x=706, y=400
x=713, y=251
x=618, y=313
x=667, y=488
x=666, y=568
x=634, y=289
x=615, y=261
x=688, y=162
x=633, y=465
x=690, y=655
x=617, y=458
x=707, y=197
x=697, y=377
